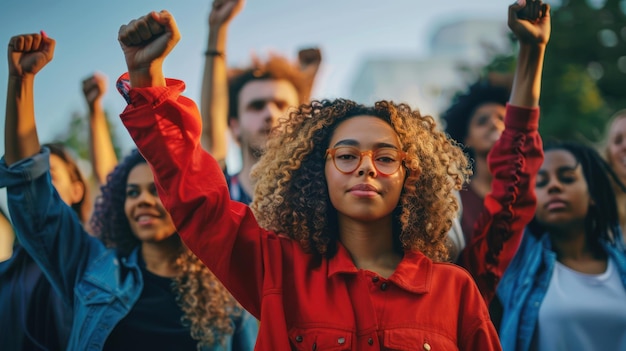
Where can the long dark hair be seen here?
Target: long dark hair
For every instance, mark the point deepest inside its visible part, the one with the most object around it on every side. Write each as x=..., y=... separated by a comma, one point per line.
x=208, y=307
x=602, y=220
x=109, y=222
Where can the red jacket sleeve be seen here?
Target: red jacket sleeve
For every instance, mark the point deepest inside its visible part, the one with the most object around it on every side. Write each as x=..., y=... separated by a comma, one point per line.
x=224, y=234
x=514, y=162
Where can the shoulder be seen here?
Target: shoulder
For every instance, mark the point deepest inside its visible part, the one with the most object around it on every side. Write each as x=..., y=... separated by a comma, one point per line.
x=451, y=271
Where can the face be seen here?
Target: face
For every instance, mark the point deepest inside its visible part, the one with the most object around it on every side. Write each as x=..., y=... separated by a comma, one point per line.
x=365, y=194
x=71, y=192
x=485, y=127
x=147, y=217
x=617, y=146
x=562, y=194
x=261, y=103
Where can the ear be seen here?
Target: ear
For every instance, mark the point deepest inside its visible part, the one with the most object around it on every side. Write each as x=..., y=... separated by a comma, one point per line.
x=235, y=129
x=78, y=192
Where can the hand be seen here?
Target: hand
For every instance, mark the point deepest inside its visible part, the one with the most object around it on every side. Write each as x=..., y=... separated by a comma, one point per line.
x=310, y=58
x=223, y=11
x=148, y=39
x=29, y=53
x=535, y=29
x=94, y=88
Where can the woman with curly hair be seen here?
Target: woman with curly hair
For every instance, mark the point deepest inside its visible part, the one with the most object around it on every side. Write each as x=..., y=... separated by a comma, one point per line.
x=135, y=285
x=344, y=245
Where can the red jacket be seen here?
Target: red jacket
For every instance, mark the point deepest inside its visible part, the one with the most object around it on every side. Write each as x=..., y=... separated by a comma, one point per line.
x=304, y=302
x=514, y=162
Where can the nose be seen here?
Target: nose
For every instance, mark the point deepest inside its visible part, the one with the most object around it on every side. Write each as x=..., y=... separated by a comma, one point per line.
x=497, y=122
x=272, y=112
x=146, y=198
x=367, y=165
x=554, y=186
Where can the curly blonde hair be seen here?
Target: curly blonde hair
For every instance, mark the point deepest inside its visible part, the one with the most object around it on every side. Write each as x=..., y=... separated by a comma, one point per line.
x=208, y=307
x=291, y=194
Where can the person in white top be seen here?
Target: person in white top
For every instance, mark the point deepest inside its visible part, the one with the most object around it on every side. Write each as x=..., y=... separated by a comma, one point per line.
x=566, y=287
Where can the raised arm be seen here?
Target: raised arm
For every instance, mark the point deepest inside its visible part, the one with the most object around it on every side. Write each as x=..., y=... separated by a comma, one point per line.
x=103, y=158
x=214, y=97
x=28, y=54
x=533, y=36
x=45, y=225
x=146, y=42
x=166, y=128
x=309, y=60
x=515, y=159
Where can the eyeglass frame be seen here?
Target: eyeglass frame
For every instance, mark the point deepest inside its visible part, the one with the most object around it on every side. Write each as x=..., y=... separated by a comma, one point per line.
x=332, y=150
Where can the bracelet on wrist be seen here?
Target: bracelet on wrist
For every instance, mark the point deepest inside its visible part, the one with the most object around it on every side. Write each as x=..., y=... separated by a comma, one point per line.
x=213, y=52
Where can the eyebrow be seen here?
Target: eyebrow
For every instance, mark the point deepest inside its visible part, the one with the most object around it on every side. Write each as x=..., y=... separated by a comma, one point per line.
x=266, y=100
x=352, y=142
x=560, y=169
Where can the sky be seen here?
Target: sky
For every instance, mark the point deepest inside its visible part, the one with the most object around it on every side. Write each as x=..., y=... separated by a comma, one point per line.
x=347, y=31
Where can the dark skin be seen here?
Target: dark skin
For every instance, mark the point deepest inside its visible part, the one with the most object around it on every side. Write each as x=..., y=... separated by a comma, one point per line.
x=533, y=10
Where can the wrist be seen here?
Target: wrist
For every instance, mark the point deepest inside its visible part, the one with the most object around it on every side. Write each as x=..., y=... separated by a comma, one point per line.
x=151, y=76
x=21, y=78
x=217, y=40
x=95, y=106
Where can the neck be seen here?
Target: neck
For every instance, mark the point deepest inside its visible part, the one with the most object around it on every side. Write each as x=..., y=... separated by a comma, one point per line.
x=248, y=160
x=481, y=181
x=160, y=257
x=572, y=242
x=370, y=245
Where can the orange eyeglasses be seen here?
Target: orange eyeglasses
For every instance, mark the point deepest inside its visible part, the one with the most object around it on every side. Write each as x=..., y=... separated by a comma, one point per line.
x=347, y=159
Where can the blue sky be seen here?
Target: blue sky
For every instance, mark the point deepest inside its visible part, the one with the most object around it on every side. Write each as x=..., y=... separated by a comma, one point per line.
x=347, y=31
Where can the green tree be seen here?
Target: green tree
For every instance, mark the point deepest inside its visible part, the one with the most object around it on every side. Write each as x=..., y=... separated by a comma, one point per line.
x=584, y=71
x=76, y=137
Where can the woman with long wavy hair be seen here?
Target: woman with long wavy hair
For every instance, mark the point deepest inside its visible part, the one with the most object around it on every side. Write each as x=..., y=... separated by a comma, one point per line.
x=134, y=286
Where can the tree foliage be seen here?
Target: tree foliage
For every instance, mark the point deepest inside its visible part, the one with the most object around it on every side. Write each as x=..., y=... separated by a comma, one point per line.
x=584, y=70
x=76, y=137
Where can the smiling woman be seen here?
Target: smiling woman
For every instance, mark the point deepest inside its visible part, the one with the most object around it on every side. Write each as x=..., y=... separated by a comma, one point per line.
x=133, y=285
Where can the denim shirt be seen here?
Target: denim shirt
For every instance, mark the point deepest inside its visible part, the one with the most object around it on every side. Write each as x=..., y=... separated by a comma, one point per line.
x=102, y=286
x=524, y=286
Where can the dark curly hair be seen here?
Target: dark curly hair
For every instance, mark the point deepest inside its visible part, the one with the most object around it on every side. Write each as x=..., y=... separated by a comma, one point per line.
x=457, y=117
x=82, y=207
x=291, y=194
x=602, y=219
x=208, y=307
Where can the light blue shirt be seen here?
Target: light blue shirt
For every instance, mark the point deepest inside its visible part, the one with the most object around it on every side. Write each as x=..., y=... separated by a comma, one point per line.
x=524, y=286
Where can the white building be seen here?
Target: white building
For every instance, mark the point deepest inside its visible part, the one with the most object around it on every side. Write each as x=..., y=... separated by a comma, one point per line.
x=429, y=82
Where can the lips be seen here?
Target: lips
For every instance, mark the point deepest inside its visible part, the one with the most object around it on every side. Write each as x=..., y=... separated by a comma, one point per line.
x=364, y=187
x=555, y=204
x=146, y=218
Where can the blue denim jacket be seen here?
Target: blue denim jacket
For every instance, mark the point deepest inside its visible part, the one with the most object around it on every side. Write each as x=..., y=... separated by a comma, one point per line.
x=524, y=286
x=101, y=285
